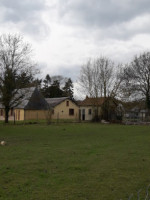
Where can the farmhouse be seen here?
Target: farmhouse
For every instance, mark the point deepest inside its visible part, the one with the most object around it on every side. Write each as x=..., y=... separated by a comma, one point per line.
x=89, y=108
x=30, y=105
x=63, y=108
x=93, y=108
x=33, y=106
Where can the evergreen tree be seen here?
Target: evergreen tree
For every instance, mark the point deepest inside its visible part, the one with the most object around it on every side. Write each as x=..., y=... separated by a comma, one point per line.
x=46, y=85
x=52, y=87
x=47, y=81
x=51, y=90
x=68, y=89
x=37, y=83
x=54, y=90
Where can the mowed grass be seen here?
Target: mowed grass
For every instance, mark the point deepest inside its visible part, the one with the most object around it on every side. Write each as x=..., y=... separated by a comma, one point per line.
x=74, y=162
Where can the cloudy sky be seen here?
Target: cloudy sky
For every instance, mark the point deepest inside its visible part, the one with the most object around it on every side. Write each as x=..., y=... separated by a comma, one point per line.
x=65, y=33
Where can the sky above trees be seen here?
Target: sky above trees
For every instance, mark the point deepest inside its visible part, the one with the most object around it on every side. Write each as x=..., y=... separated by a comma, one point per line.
x=65, y=33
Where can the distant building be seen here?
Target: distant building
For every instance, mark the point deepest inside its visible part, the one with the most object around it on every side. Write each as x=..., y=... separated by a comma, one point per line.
x=93, y=108
x=31, y=105
x=63, y=108
x=136, y=110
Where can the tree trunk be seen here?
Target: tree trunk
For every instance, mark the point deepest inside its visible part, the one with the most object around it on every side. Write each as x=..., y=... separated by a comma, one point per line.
x=148, y=102
x=105, y=89
x=6, y=114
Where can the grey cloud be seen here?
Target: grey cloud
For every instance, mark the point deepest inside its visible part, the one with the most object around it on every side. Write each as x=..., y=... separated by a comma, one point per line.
x=26, y=12
x=102, y=12
x=104, y=18
x=71, y=71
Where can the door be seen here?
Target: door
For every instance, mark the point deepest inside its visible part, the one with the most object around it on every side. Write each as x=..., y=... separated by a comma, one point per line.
x=83, y=114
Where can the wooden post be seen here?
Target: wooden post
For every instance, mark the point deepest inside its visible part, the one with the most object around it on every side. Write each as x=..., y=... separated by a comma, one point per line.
x=37, y=116
x=14, y=118
x=57, y=117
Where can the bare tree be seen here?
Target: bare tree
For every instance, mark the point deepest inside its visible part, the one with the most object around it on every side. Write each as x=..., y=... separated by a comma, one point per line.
x=86, y=78
x=137, y=78
x=16, y=69
x=100, y=78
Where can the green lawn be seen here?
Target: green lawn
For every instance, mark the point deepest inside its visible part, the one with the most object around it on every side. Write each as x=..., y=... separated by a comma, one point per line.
x=73, y=162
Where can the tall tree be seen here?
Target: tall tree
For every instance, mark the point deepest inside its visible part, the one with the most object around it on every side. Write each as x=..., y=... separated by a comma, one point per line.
x=47, y=81
x=137, y=78
x=68, y=89
x=60, y=79
x=53, y=86
x=37, y=83
x=46, y=85
x=16, y=69
x=54, y=90
x=100, y=78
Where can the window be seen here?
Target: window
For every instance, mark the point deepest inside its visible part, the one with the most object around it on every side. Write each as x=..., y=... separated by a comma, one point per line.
x=90, y=111
x=67, y=103
x=71, y=111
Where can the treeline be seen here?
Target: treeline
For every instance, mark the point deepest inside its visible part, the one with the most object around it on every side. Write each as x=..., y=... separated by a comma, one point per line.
x=101, y=77
x=55, y=86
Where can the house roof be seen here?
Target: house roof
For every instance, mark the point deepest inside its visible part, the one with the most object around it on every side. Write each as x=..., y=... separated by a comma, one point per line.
x=92, y=101
x=29, y=99
x=88, y=101
x=36, y=101
x=55, y=101
x=26, y=94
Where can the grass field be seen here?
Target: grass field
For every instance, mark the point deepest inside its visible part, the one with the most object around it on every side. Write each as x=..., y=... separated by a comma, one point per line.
x=74, y=161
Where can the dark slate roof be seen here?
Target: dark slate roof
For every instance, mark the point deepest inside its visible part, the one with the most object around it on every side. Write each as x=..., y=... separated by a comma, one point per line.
x=55, y=101
x=23, y=96
x=29, y=99
x=36, y=102
x=26, y=94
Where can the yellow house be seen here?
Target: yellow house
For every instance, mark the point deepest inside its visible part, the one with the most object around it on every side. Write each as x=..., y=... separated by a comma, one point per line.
x=33, y=106
x=63, y=108
x=30, y=106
